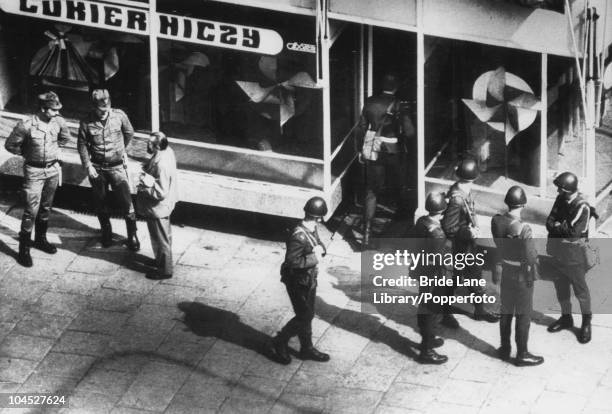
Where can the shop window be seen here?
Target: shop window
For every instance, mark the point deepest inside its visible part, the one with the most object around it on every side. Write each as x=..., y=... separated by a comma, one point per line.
x=224, y=95
x=38, y=55
x=482, y=102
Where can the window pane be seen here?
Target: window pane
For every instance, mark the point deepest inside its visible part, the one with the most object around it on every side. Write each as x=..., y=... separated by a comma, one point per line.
x=38, y=55
x=244, y=99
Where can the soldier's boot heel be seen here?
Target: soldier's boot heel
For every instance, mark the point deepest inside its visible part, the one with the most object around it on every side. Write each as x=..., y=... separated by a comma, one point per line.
x=107, y=231
x=281, y=349
x=24, y=258
x=313, y=354
x=132, y=243
x=503, y=352
x=584, y=336
x=40, y=238
x=429, y=356
x=526, y=359
x=566, y=321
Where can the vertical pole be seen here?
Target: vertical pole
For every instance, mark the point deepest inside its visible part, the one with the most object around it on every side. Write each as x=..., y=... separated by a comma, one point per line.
x=420, y=67
x=153, y=30
x=326, y=117
x=544, y=124
x=370, y=84
x=361, y=70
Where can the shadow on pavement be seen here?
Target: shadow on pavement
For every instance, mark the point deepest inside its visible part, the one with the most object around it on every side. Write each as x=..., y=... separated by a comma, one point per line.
x=208, y=321
x=361, y=323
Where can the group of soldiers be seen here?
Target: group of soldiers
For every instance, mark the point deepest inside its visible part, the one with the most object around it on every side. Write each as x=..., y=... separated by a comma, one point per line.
x=451, y=226
x=103, y=136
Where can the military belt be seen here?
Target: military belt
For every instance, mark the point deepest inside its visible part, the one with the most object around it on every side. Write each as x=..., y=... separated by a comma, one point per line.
x=512, y=262
x=37, y=164
x=108, y=164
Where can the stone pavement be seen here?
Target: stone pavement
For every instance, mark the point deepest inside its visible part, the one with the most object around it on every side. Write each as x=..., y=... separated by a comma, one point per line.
x=87, y=323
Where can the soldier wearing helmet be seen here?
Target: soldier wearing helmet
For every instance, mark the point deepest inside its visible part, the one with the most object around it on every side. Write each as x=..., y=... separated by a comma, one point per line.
x=299, y=274
x=568, y=225
x=431, y=238
x=37, y=139
x=515, y=265
x=394, y=131
x=461, y=227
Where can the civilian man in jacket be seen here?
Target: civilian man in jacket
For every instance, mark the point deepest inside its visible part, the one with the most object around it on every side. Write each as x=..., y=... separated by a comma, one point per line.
x=103, y=137
x=568, y=225
x=37, y=140
x=299, y=274
x=156, y=197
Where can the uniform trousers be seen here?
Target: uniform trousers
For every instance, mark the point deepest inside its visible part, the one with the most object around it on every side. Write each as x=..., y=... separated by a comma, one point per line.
x=574, y=276
x=39, y=189
x=302, y=297
x=118, y=179
x=160, y=232
x=428, y=317
x=388, y=165
x=516, y=300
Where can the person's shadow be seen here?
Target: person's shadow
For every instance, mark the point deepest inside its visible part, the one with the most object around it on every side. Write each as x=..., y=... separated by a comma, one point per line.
x=362, y=324
x=205, y=320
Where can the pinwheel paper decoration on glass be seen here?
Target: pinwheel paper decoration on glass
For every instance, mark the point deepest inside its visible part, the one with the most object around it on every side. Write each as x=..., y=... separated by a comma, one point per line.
x=505, y=102
x=276, y=100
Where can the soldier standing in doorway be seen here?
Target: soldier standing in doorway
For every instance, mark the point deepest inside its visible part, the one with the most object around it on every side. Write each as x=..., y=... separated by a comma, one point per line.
x=37, y=139
x=381, y=113
x=460, y=225
x=568, y=225
x=103, y=137
x=299, y=274
x=515, y=265
x=431, y=237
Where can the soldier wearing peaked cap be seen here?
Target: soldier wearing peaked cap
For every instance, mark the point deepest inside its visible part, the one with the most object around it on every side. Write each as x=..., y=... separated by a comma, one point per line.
x=568, y=226
x=299, y=274
x=103, y=137
x=461, y=227
x=515, y=265
x=37, y=139
x=431, y=237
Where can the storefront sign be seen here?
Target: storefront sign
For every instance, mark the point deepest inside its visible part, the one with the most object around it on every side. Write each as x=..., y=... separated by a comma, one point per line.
x=137, y=21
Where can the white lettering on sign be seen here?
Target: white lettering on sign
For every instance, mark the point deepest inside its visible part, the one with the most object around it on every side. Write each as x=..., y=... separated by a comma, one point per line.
x=134, y=20
x=302, y=47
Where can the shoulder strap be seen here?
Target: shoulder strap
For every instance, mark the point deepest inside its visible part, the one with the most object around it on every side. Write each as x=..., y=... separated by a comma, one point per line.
x=313, y=242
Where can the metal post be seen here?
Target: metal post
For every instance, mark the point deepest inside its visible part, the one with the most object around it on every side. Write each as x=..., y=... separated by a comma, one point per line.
x=420, y=67
x=327, y=180
x=370, y=84
x=361, y=69
x=544, y=124
x=153, y=30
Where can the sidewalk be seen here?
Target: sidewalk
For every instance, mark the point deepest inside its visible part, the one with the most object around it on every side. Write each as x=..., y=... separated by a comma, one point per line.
x=86, y=322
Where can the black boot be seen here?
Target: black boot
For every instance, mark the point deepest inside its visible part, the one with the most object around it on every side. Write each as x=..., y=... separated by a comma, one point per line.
x=481, y=314
x=24, y=257
x=40, y=238
x=281, y=349
x=107, y=231
x=132, y=243
x=429, y=356
x=584, y=336
x=566, y=321
x=307, y=351
x=505, y=330
x=525, y=359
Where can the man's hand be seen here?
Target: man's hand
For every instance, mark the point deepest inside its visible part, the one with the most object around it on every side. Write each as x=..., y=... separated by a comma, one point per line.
x=146, y=180
x=474, y=231
x=91, y=171
x=497, y=273
x=318, y=251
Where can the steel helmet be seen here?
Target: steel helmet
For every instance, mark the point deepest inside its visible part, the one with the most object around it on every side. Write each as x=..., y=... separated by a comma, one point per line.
x=468, y=169
x=435, y=202
x=49, y=100
x=567, y=182
x=316, y=207
x=515, y=197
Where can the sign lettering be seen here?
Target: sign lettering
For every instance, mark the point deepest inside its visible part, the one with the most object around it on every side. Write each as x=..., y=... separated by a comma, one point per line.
x=137, y=21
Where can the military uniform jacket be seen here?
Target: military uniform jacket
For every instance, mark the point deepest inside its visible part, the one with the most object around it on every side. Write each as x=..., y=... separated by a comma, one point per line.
x=104, y=142
x=376, y=116
x=159, y=200
x=515, y=247
x=432, y=240
x=300, y=263
x=565, y=239
x=459, y=214
x=38, y=141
